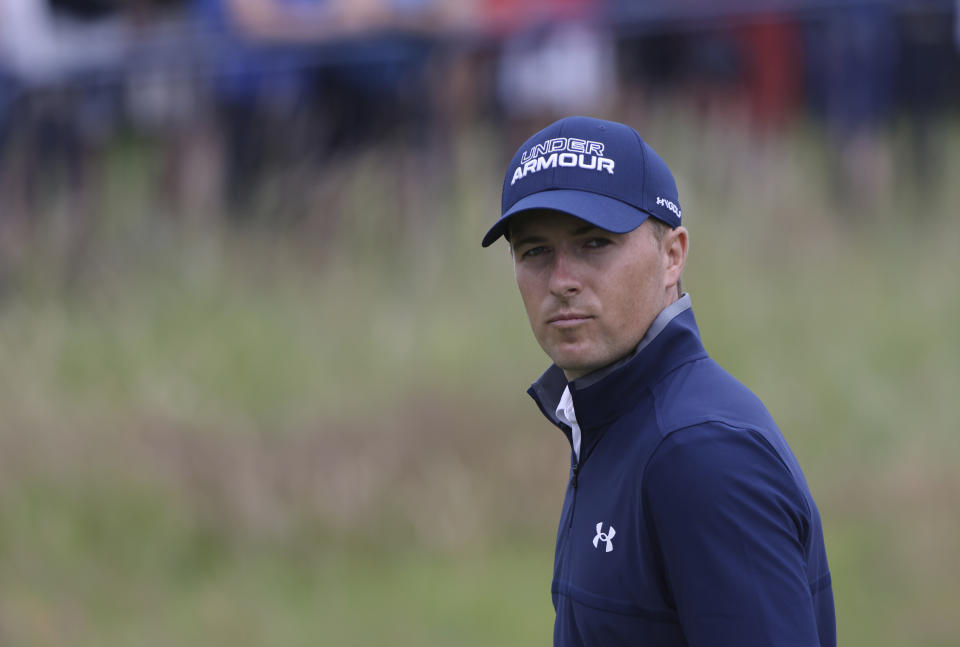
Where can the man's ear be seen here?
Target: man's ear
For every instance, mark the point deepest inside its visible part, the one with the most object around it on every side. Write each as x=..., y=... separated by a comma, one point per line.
x=675, y=244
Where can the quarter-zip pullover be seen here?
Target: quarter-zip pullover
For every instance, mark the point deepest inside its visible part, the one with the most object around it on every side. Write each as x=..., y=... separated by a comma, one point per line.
x=687, y=520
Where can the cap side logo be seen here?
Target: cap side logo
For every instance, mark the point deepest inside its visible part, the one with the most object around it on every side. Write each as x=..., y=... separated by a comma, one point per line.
x=563, y=151
x=663, y=202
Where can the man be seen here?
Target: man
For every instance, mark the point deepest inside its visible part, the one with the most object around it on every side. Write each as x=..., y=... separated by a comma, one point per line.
x=687, y=520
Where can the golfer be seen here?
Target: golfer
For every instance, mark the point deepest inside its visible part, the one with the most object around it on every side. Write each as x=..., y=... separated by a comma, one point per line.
x=687, y=520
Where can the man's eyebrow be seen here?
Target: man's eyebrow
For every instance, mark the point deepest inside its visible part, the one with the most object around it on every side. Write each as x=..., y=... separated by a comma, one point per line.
x=526, y=240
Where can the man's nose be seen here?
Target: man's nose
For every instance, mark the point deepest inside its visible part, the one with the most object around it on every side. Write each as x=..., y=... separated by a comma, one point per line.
x=564, y=277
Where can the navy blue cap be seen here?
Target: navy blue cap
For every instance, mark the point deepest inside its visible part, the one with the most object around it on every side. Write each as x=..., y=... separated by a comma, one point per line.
x=598, y=171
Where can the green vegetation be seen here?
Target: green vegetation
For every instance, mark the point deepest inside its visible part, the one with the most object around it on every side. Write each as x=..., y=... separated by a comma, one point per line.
x=212, y=437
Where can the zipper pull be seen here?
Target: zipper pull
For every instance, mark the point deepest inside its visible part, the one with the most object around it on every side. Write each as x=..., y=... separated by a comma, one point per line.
x=573, y=479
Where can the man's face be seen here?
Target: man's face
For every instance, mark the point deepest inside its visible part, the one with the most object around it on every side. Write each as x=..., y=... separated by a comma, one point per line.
x=591, y=294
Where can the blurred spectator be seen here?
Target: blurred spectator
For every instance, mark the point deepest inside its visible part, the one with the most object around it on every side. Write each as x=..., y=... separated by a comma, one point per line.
x=696, y=66
x=556, y=59
x=259, y=82
x=851, y=57
x=924, y=79
x=297, y=81
x=64, y=56
x=773, y=69
x=49, y=40
x=166, y=93
x=556, y=69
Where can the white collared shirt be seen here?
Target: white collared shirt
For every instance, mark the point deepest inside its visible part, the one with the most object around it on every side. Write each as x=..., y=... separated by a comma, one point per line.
x=567, y=415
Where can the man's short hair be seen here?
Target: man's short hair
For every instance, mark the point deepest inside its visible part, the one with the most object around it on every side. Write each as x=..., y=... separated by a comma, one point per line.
x=660, y=228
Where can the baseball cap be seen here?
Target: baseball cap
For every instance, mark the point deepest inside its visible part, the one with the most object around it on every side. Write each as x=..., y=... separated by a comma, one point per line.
x=599, y=171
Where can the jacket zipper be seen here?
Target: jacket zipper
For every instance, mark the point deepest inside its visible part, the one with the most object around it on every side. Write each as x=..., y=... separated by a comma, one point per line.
x=573, y=484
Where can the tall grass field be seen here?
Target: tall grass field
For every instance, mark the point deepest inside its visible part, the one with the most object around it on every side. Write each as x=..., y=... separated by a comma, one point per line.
x=251, y=436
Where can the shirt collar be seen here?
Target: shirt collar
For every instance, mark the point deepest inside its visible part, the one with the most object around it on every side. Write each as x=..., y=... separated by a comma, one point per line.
x=565, y=411
x=567, y=414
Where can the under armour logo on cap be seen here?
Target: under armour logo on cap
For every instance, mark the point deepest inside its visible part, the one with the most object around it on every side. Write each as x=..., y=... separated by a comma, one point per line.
x=600, y=171
x=604, y=536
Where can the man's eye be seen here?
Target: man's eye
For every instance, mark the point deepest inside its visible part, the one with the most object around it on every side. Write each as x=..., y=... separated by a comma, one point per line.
x=534, y=251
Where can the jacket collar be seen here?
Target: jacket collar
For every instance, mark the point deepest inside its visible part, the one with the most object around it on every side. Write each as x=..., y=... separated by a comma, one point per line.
x=601, y=397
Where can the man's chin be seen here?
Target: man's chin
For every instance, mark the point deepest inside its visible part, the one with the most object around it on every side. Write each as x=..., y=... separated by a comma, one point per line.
x=576, y=365
x=577, y=361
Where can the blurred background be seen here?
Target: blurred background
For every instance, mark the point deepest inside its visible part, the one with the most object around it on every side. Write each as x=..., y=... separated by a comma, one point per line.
x=259, y=384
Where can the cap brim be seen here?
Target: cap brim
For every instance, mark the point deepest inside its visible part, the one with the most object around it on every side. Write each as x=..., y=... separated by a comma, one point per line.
x=604, y=212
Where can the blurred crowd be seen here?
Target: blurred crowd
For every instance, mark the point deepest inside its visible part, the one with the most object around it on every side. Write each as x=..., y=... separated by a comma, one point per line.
x=239, y=93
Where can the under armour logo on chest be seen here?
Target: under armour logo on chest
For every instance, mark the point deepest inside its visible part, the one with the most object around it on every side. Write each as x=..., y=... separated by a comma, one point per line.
x=604, y=537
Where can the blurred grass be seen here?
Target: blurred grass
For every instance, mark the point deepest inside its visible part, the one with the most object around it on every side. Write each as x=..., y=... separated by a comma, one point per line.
x=246, y=437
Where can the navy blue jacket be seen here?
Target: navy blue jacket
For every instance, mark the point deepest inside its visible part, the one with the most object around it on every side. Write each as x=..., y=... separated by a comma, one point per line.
x=687, y=520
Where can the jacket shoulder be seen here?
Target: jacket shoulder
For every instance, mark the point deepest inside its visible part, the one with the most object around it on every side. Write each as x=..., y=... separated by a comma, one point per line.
x=702, y=391
x=702, y=394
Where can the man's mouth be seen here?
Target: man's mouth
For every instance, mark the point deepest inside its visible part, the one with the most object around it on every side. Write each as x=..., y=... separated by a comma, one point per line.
x=567, y=319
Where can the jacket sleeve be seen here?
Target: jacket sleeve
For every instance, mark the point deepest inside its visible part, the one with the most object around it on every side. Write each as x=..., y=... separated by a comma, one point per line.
x=731, y=525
